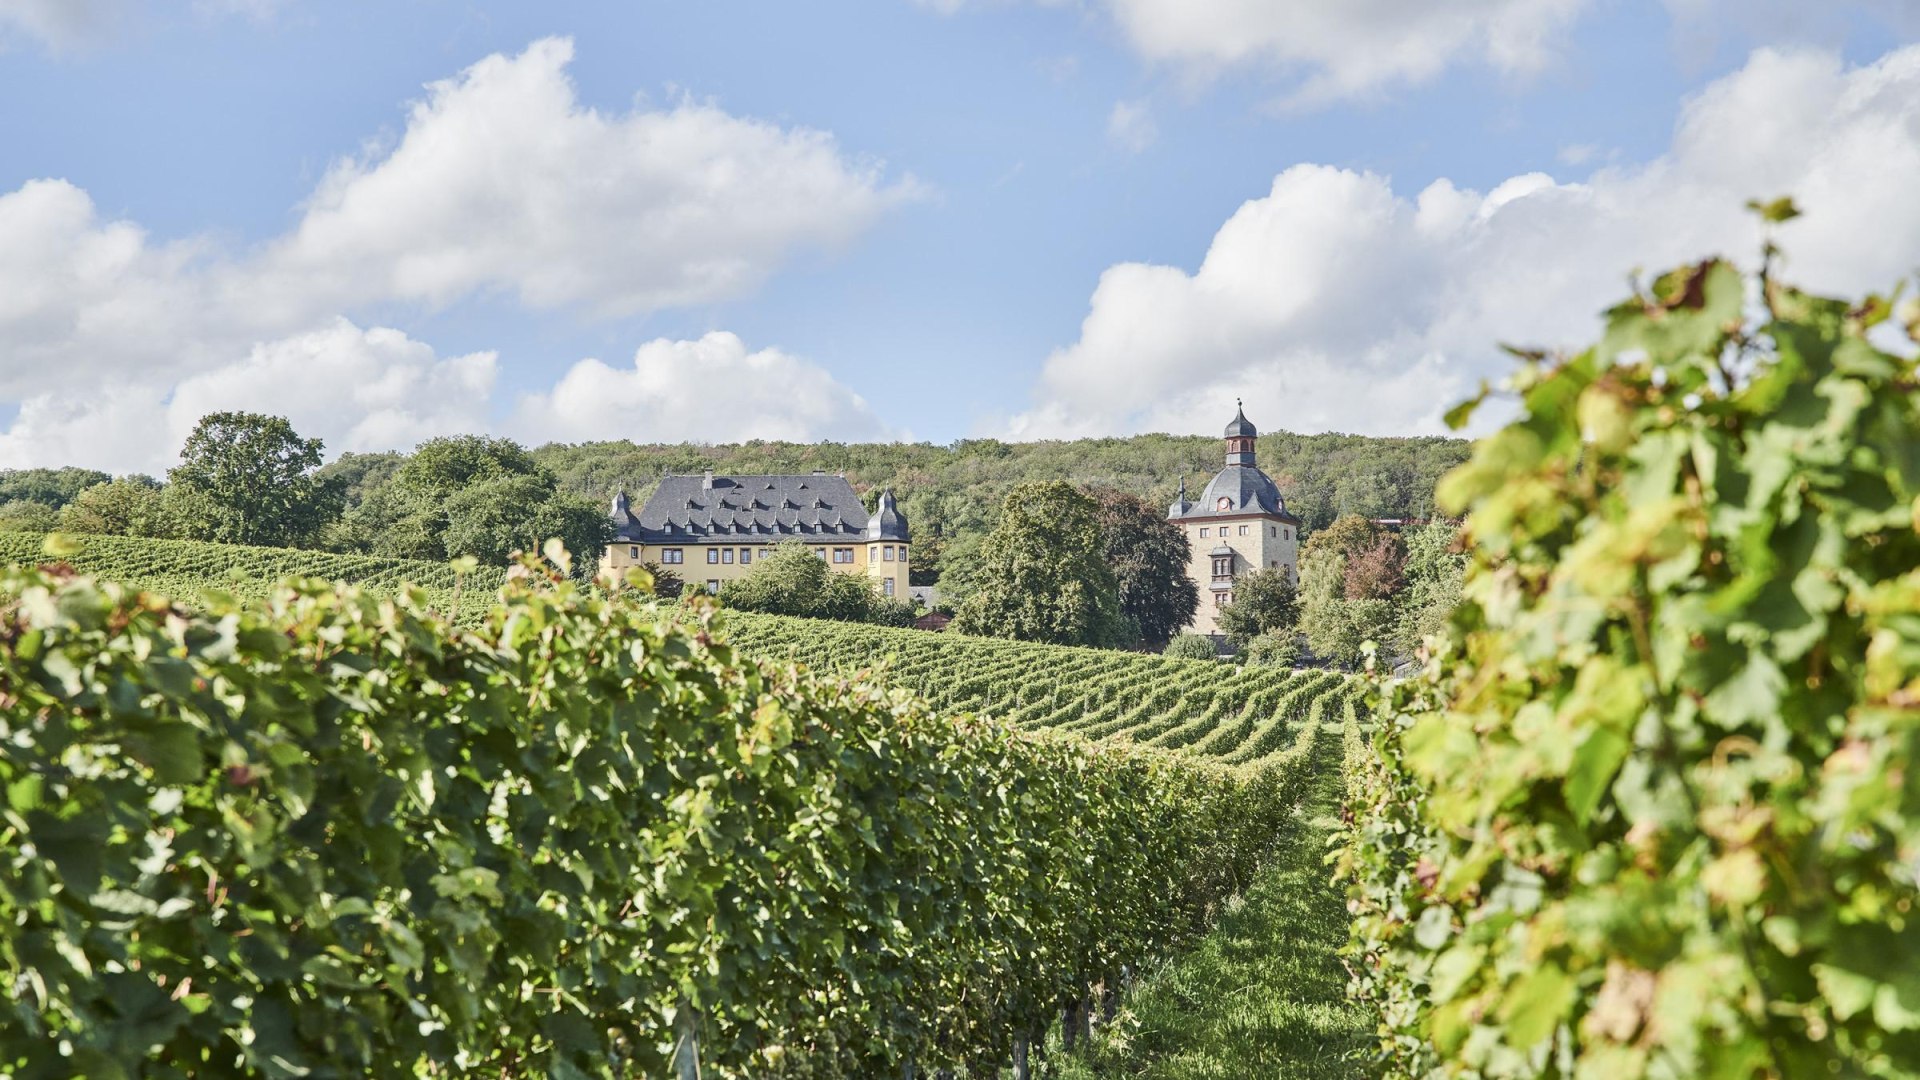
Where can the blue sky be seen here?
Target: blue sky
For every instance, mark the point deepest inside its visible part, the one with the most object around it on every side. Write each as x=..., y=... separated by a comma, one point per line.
x=919, y=202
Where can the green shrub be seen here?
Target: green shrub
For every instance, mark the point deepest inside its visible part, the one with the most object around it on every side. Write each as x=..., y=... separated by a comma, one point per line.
x=333, y=834
x=1280, y=648
x=1653, y=810
x=1191, y=647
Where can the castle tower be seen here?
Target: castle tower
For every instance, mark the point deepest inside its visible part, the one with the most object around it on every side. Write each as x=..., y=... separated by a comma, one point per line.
x=1240, y=524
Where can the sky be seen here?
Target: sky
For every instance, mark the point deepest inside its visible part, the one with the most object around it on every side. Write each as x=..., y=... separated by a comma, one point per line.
x=892, y=219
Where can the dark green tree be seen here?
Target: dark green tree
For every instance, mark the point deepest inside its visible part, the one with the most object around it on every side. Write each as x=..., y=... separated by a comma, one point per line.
x=494, y=518
x=1434, y=568
x=1264, y=601
x=412, y=515
x=49, y=487
x=129, y=506
x=791, y=579
x=26, y=515
x=253, y=481
x=1042, y=575
x=1149, y=557
x=1191, y=647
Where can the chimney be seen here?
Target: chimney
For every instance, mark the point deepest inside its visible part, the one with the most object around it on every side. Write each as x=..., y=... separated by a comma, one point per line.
x=707, y=483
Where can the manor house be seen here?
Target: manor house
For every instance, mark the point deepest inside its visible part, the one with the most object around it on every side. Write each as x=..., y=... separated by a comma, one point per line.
x=1240, y=524
x=711, y=529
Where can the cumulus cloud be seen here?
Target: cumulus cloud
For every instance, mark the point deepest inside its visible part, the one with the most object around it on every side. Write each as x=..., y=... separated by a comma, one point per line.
x=707, y=390
x=1130, y=126
x=1335, y=302
x=503, y=181
x=358, y=389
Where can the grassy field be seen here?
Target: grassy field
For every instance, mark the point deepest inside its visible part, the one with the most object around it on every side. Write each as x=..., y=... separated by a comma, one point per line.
x=1263, y=997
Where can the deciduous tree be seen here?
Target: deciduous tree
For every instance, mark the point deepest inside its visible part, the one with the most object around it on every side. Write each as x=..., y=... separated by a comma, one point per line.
x=1264, y=601
x=252, y=478
x=1149, y=557
x=1042, y=575
x=129, y=506
x=792, y=580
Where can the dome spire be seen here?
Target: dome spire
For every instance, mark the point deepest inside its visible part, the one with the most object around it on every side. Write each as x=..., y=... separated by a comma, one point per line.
x=1240, y=437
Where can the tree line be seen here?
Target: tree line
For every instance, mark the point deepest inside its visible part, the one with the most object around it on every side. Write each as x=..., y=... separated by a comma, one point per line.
x=1057, y=541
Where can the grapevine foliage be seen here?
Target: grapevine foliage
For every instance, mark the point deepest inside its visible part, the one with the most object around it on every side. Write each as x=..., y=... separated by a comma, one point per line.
x=332, y=834
x=1235, y=715
x=184, y=569
x=1653, y=807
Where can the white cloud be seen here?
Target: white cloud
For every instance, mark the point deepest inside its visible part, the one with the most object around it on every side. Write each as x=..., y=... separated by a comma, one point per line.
x=1345, y=48
x=709, y=390
x=1130, y=126
x=1334, y=50
x=85, y=301
x=1334, y=302
x=60, y=23
x=373, y=389
x=501, y=182
x=504, y=181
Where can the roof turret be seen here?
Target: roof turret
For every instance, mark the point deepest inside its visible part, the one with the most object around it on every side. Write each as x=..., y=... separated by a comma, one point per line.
x=1241, y=428
x=1180, y=505
x=887, y=523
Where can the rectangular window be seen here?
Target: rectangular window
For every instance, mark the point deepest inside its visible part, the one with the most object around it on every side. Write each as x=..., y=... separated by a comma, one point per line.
x=873, y=554
x=726, y=556
x=1243, y=530
x=633, y=553
x=903, y=553
x=746, y=556
x=673, y=555
x=1203, y=532
x=886, y=586
x=1271, y=531
x=822, y=552
x=843, y=555
x=713, y=555
x=886, y=553
x=713, y=584
x=1219, y=599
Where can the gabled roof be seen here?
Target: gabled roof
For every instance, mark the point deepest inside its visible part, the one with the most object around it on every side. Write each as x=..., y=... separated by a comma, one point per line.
x=709, y=509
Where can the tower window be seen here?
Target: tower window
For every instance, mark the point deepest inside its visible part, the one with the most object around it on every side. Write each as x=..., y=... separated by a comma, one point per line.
x=1243, y=530
x=633, y=553
x=1203, y=532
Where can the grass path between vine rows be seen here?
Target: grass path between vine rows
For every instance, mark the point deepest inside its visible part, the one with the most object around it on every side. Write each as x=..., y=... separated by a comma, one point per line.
x=1262, y=997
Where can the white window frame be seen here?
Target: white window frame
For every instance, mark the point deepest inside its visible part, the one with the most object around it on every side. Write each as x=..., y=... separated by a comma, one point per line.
x=673, y=555
x=726, y=556
x=713, y=556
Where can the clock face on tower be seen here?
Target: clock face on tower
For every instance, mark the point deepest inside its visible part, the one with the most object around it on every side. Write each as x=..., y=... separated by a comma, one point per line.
x=1224, y=503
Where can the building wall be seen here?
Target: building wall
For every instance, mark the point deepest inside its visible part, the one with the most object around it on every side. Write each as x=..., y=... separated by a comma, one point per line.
x=863, y=558
x=1267, y=542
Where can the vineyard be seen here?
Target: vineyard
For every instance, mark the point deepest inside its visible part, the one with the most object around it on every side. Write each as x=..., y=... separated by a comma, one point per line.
x=598, y=842
x=1237, y=716
x=186, y=568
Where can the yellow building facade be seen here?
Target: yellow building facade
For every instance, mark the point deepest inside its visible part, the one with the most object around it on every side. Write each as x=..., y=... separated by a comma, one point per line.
x=711, y=529
x=1240, y=524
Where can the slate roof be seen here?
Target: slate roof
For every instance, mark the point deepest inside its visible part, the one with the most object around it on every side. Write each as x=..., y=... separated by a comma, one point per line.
x=818, y=507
